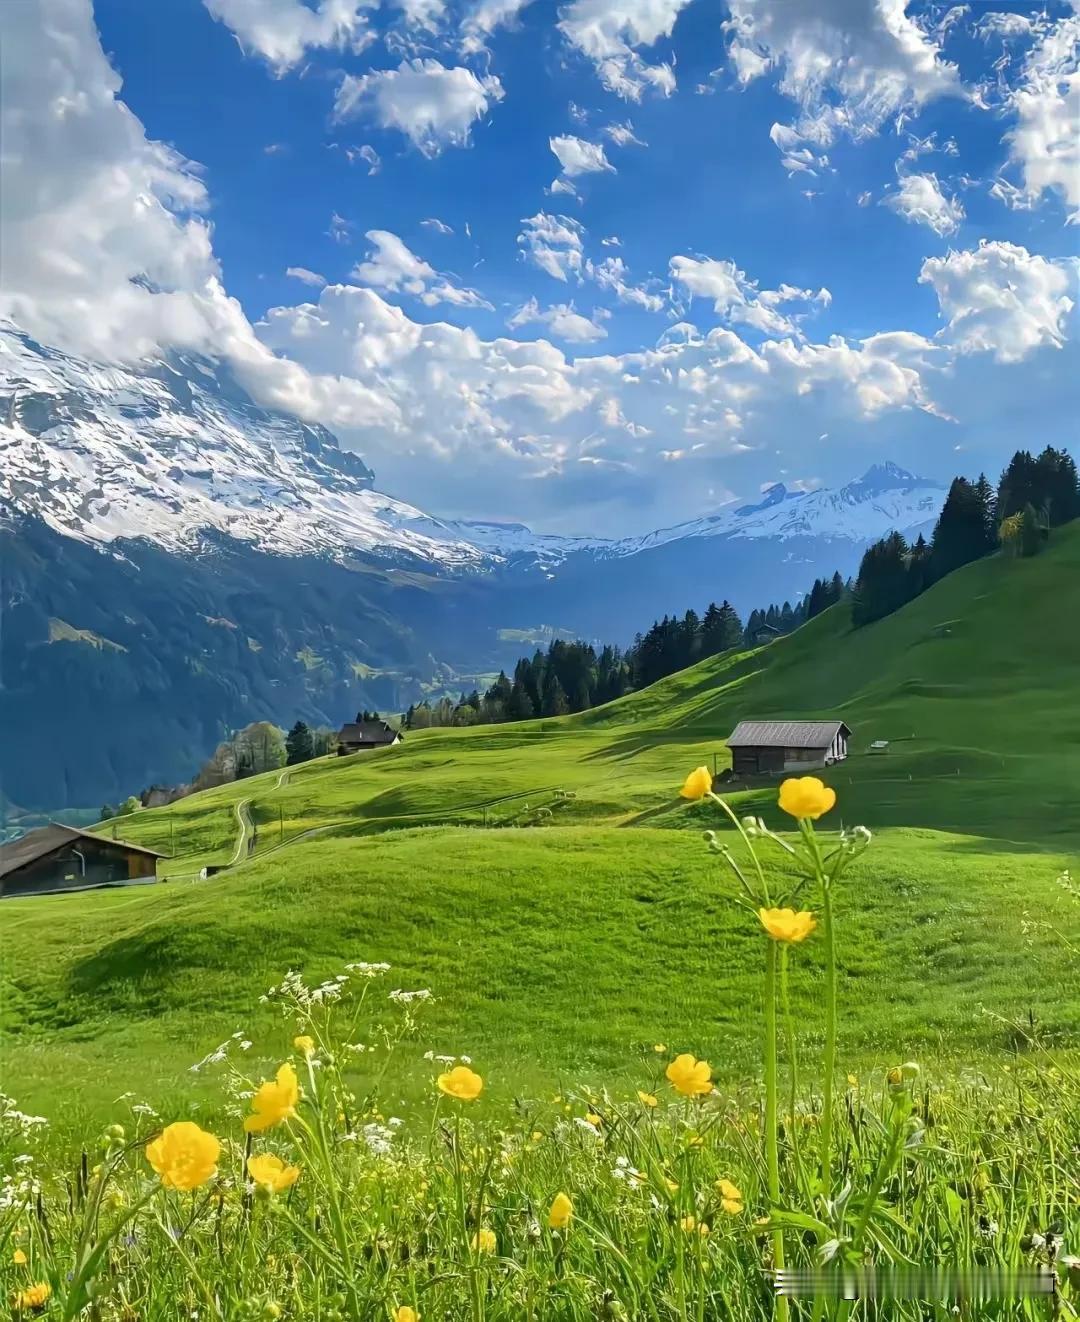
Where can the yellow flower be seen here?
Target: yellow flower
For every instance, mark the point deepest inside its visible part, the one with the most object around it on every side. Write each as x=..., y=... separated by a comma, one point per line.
x=647, y=1099
x=538, y=1136
x=786, y=924
x=19, y=1258
x=593, y=1119
x=461, y=1083
x=697, y=784
x=670, y=1184
x=270, y=1172
x=689, y=1076
x=184, y=1155
x=37, y=1296
x=406, y=1314
x=853, y=1080
x=731, y=1199
x=806, y=796
x=275, y=1101
x=687, y=1223
x=562, y=1209
x=484, y=1240
x=304, y=1044
x=659, y=1048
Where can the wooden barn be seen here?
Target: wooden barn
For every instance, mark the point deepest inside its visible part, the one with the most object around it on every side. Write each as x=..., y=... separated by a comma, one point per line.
x=775, y=747
x=60, y=858
x=358, y=736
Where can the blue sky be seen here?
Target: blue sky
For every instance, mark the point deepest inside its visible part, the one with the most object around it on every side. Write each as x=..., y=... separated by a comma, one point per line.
x=837, y=231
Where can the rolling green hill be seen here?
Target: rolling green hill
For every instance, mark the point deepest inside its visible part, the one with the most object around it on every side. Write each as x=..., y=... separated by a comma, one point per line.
x=571, y=946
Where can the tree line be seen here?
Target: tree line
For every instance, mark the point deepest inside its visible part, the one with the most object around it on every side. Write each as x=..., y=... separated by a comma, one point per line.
x=1032, y=496
x=258, y=747
x=574, y=676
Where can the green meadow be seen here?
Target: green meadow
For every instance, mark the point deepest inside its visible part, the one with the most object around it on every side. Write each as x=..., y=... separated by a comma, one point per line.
x=648, y=1109
x=549, y=887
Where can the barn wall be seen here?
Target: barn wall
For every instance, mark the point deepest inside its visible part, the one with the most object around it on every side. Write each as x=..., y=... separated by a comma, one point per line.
x=105, y=863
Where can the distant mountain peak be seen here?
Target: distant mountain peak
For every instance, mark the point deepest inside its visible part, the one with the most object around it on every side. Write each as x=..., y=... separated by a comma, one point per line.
x=888, y=476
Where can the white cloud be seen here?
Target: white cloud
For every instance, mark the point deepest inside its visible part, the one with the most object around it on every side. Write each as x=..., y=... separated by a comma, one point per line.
x=367, y=154
x=612, y=241
x=1001, y=299
x=561, y=320
x=554, y=243
x=920, y=201
x=609, y=32
x=613, y=274
x=623, y=135
x=426, y=14
x=1044, y=143
x=433, y=106
x=392, y=265
x=849, y=64
x=577, y=157
x=283, y=30
x=484, y=18
x=737, y=299
x=308, y=277
x=340, y=229
x=434, y=223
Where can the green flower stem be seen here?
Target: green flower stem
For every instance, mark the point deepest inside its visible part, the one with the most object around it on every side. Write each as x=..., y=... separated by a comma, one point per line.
x=771, y=1148
x=830, y=1042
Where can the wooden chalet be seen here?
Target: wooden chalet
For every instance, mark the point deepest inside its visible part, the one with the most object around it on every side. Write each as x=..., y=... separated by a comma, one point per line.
x=775, y=747
x=359, y=736
x=60, y=858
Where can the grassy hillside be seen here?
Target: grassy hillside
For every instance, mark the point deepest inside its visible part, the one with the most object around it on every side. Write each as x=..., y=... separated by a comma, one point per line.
x=571, y=947
x=973, y=684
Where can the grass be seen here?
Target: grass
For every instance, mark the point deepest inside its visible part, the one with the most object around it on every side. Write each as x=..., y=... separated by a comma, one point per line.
x=564, y=948
x=569, y=963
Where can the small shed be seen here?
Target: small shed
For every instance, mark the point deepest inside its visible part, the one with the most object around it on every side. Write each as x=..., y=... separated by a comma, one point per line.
x=358, y=736
x=60, y=858
x=772, y=747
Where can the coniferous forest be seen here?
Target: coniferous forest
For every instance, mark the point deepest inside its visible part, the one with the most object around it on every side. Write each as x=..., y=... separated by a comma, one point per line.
x=1034, y=495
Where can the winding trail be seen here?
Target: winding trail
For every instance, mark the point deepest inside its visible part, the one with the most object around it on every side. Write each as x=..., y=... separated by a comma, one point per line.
x=244, y=822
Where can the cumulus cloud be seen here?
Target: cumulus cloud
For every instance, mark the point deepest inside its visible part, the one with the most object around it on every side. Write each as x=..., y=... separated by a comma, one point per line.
x=848, y=64
x=1001, y=299
x=610, y=33
x=307, y=277
x=553, y=243
x=1044, y=143
x=577, y=157
x=281, y=31
x=919, y=200
x=433, y=106
x=561, y=320
x=392, y=265
x=737, y=299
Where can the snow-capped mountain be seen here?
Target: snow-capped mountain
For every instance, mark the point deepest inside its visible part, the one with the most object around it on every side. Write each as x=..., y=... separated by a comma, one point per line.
x=886, y=498
x=179, y=561
x=174, y=449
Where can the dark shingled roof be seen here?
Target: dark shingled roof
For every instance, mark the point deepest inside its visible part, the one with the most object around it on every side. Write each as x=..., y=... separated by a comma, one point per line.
x=366, y=732
x=36, y=844
x=785, y=734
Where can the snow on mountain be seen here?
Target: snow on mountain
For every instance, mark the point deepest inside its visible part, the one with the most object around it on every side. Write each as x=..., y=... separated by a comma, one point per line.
x=174, y=448
x=885, y=498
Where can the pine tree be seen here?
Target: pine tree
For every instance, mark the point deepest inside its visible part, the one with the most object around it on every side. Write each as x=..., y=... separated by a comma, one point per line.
x=961, y=533
x=520, y=706
x=554, y=698
x=836, y=588
x=298, y=745
x=1058, y=486
x=1031, y=533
